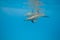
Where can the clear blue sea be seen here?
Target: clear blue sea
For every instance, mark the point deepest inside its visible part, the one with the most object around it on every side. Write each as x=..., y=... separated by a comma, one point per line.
x=13, y=26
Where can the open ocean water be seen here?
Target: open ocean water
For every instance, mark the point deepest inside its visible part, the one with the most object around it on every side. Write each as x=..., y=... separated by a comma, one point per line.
x=13, y=26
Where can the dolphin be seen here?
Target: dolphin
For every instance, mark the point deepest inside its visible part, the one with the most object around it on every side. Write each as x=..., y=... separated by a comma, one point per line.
x=34, y=17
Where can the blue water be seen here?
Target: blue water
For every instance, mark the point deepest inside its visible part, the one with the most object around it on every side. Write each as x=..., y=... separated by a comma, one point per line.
x=13, y=26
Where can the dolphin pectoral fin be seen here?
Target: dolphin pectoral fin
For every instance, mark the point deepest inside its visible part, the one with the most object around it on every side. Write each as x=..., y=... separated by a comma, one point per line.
x=33, y=21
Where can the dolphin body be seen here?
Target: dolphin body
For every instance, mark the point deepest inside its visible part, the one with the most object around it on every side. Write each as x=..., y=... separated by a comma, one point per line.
x=34, y=17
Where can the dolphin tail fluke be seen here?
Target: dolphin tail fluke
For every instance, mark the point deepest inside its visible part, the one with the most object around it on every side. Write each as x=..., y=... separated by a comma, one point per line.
x=45, y=16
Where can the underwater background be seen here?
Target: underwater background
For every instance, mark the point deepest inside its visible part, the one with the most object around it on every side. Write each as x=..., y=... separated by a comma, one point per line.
x=13, y=26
